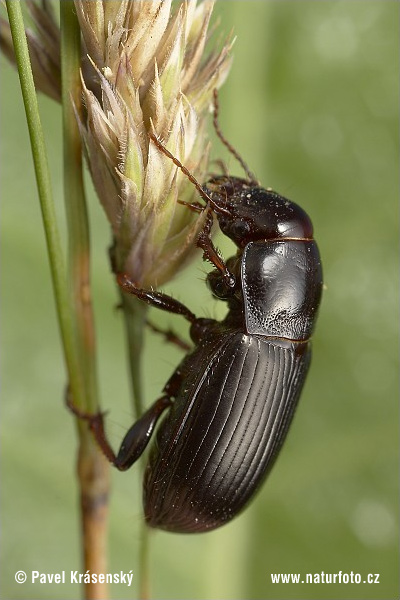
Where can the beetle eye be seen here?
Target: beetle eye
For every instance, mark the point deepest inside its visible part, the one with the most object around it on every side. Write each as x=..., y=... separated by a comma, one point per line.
x=218, y=287
x=240, y=228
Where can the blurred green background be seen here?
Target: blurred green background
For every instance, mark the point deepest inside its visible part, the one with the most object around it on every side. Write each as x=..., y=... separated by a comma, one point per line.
x=312, y=105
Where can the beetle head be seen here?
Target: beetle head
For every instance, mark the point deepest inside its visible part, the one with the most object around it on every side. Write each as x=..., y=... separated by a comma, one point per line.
x=249, y=212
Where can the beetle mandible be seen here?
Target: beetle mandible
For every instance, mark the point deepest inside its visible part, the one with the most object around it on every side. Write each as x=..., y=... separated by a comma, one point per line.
x=231, y=400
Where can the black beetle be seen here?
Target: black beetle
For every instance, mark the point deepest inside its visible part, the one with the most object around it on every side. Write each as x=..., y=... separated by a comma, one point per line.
x=231, y=400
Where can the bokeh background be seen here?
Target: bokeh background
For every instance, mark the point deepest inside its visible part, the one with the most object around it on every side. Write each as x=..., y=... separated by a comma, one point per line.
x=312, y=104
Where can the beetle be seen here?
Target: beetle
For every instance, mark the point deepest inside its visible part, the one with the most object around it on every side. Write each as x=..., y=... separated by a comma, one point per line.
x=231, y=400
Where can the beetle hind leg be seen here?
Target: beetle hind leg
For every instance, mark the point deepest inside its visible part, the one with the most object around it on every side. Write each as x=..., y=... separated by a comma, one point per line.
x=135, y=440
x=139, y=435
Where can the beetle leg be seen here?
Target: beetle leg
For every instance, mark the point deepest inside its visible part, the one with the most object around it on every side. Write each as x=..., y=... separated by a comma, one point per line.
x=170, y=336
x=194, y=206
x=138, y=436
x=95, y=422
x=136, y=439
x=156, y=299
x=211, y=253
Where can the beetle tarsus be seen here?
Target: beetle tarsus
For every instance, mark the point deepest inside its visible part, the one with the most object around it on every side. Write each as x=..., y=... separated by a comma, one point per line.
x=95, y=423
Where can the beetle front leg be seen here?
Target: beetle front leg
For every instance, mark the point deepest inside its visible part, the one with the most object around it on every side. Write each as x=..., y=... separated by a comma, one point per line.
x=212, y=254
x=136, y=439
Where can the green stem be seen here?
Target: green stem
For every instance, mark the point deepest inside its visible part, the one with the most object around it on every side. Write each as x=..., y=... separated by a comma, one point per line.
x=135, y=313
x=57, y=266
x=75, y=202
x=93, y=470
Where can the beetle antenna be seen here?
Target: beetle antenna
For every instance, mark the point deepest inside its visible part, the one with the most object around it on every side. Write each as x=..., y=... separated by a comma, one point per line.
x=235, y=153
x=207, y=199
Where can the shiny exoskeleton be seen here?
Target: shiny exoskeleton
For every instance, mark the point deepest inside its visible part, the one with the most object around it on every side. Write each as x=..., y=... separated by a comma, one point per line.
x=231, y=400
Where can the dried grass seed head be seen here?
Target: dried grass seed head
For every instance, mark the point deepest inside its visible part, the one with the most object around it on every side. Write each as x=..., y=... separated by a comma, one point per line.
x=150, y=61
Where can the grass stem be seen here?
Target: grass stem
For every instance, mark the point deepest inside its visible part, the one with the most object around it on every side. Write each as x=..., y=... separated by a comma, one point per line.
x=92, y=468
